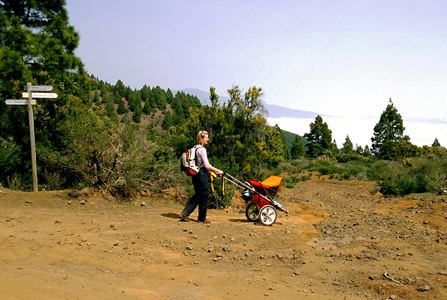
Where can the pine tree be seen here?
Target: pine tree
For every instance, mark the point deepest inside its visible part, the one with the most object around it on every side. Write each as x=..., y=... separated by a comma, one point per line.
x=111, y=113
x=133, y=101
x=319, y=138
x=359, y=149
x=121, y=108
x=144, y=93
x=136, y=117
x=160, y=98
x=103, y=91
x=37, y=45
x=147, y=108
x=167, y=121
x=390, y=128
x=119, y=89
x=366, y=151
x=297, y=148
x=347, y=146
x=436, y=143
x=214, y=97
x=96, y=98
x=169, y=96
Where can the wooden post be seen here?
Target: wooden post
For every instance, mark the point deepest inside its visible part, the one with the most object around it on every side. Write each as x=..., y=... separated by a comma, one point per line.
x=31, y=134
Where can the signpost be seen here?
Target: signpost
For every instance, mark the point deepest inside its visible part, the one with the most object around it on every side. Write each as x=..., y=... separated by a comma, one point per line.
x=19, y=102
x=40, y=95
x=41, y=88
x=29, y=102
x=31, y=134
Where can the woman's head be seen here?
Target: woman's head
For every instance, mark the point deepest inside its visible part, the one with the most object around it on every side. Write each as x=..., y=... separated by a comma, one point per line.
x=202, y=138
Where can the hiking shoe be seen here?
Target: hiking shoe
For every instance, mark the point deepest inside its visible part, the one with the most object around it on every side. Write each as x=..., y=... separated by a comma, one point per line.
x=184, y=217
x=204, y=222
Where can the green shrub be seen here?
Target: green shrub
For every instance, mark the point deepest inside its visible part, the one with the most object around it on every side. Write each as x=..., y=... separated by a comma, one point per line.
x=392, y=150
x=295, y=179
x=324, y=167
x=415, y=175
x=379, y=171
x=288, y=183
x=345, y=157
x=410, y=174
x=351, y=170
x=10, y=163
x=293, y=167
x=434, y=170
x=217, y=200
x=405, y=185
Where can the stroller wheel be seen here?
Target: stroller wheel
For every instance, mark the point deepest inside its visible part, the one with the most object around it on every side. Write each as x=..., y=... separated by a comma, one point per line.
x=268, y=215
x=252, y=212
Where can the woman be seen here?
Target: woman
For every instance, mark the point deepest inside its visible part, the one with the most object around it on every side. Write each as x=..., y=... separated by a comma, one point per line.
x=200, y=182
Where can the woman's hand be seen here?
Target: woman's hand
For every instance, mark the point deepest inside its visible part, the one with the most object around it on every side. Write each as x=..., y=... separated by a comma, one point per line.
x=217, y=171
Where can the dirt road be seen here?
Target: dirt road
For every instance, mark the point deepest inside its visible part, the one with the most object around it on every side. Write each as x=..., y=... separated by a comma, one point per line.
x=340, y=241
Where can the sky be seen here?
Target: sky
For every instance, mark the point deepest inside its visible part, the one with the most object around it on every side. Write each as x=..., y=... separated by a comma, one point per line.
x=343, y=59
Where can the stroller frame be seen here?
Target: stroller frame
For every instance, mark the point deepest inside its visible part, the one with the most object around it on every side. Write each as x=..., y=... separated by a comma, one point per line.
x=262, y=204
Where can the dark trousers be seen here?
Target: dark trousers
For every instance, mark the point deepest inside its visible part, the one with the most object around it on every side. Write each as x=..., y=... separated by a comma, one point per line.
x=201, y=196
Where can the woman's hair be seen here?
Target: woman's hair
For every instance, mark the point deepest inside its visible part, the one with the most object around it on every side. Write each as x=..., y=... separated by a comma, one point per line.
x=200, y=137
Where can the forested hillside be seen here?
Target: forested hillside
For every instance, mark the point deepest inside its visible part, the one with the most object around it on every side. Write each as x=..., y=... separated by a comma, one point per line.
x=123, y=140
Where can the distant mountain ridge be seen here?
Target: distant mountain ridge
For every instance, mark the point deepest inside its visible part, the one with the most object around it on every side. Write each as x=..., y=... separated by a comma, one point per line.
x=203, y=96
x=274, y=111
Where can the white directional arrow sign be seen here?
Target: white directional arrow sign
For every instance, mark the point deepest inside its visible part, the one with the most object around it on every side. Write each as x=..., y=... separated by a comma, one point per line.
x=41, y=88
x=40, y=95
x=19, y=102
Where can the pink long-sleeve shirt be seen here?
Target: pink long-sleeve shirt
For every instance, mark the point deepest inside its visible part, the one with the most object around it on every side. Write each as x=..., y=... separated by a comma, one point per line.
x=202, y=158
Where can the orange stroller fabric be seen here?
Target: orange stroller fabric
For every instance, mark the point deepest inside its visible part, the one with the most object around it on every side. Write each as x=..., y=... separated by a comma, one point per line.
x=272, y=181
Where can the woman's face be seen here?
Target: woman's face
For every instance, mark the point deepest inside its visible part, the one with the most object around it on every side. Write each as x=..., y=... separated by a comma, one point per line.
x=205, y=139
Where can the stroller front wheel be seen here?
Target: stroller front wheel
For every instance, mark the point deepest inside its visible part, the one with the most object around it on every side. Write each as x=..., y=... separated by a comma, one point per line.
x=252, y=212
x=268, y=215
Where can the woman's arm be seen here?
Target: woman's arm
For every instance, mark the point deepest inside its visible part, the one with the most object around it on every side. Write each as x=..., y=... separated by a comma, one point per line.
x=216, y=170
x=205, y=163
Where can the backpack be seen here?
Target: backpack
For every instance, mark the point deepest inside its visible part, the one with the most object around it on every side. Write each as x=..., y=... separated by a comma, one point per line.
x=188, y=162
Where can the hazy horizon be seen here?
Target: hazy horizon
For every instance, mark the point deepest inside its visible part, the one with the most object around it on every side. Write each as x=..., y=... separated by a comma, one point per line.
x=360, y=129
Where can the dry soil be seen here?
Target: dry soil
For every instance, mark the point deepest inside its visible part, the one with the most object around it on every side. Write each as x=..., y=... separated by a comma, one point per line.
x=341, y=240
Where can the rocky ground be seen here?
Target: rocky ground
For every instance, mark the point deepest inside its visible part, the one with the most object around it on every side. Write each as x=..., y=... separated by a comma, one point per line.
x=341, y=240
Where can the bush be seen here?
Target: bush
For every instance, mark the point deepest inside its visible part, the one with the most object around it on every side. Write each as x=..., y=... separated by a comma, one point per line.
x=396, y=177
x=295, y=179
x=294, y=167
x=352, y=172
x=405, y=185
x=117, y=159
x=379, y=171
x=416, y=175
x=10, y=162
x=396, y=150
x=288, y=183
x=345, y=157
x=434, y=170
x=219, y=200
x=324, y=167
x=355, y=169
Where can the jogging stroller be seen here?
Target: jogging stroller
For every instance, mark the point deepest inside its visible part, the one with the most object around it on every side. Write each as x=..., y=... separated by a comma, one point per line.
x=260, y=197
